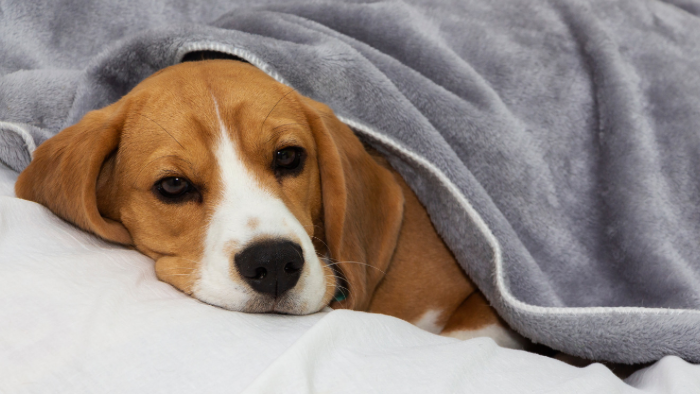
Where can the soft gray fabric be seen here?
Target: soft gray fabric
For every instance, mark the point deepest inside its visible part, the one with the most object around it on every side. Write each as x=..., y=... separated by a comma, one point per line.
x=571, y=128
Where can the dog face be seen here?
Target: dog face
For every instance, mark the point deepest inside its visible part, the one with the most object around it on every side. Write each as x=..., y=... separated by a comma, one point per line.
x=247, y=195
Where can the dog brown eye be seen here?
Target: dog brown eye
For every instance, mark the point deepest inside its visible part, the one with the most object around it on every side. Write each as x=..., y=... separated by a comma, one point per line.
x=289, y=161
x=173, y=186
x=175, y=190
x=288, y=158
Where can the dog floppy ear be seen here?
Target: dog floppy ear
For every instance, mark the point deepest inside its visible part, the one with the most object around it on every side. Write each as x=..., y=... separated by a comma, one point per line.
x=362, y=206
x=64, y=172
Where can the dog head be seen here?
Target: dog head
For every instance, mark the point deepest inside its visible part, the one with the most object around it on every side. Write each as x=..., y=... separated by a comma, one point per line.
x=247, y=195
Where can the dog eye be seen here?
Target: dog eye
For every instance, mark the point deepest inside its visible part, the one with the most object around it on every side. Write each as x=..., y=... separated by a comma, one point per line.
x=289, y=161
x=173, y=186
x=288, y=158
x=174, y=189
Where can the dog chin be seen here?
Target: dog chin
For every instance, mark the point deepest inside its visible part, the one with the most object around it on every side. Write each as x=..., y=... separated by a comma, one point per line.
x=285, y=305
x=289, y=304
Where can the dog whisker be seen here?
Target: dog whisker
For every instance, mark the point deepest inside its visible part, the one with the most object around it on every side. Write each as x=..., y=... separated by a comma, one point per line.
x=178, y=274
x=177, y=269
x=321, y=241
x=190, y=260
x=166, y=131
x=356, y=262
x=273, y=108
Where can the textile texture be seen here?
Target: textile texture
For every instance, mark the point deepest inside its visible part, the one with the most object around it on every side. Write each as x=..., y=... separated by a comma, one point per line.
x=555, y=144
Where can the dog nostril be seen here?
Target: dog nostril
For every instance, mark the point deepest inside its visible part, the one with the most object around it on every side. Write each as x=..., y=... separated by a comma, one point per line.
x=290, y=268
x=260, y=273
x=270, y=267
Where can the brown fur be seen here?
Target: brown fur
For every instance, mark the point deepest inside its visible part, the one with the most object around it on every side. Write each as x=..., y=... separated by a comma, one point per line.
x=99, y=173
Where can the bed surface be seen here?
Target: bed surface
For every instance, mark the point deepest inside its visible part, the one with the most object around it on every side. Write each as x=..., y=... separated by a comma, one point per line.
x=553, y=144
x=78, y=315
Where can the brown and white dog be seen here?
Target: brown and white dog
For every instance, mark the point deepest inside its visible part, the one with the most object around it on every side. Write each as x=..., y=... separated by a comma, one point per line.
x=253, y=198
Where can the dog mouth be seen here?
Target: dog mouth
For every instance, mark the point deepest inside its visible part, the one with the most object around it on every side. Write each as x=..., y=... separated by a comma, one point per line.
x=284, y=305
x=319, y=284
x=291, y=303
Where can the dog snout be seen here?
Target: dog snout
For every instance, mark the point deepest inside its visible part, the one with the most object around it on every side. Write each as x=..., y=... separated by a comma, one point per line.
x=271, y=266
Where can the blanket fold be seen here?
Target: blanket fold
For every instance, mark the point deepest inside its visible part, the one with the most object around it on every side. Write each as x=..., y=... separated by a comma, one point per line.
x=555, y=145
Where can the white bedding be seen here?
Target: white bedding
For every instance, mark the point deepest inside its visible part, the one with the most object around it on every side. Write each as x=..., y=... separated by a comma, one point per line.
x=78, y=315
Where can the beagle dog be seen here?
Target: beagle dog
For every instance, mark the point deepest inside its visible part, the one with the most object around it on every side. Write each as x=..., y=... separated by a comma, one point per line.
x=251, y=197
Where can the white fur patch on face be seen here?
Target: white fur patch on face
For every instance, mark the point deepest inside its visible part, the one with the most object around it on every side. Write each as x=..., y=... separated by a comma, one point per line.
x=429, y=321
x=242, y=201
x=503, y=336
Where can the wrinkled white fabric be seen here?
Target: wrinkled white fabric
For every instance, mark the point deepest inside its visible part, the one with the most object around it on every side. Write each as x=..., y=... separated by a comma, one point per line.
x=78, y=315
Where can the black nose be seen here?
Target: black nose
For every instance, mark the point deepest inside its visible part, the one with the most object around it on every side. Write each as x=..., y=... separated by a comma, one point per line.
x=271, y=267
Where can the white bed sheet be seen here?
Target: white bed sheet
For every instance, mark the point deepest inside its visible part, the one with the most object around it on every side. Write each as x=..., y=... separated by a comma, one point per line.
x=78, y=315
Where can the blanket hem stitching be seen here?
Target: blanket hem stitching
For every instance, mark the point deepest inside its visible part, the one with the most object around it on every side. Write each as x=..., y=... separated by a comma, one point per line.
x=508, y=297
x=26, y=137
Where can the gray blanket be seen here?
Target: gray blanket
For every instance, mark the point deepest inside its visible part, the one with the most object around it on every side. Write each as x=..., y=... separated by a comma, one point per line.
x=555, y=144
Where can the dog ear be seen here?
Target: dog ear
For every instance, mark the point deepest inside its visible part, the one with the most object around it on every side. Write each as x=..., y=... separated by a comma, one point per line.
x=64, y=172
x=362, y=206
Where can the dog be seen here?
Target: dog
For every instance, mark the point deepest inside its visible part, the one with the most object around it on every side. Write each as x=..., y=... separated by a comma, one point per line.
x=251, y=197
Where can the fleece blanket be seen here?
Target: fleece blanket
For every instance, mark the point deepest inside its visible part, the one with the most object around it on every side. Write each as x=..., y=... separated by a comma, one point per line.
x=555, y=144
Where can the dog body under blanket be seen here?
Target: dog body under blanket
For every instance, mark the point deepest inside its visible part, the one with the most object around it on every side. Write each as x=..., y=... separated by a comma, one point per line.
x=253, y=198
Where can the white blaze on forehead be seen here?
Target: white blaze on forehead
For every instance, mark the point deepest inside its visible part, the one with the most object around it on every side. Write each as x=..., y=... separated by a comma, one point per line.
x=243, y=198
